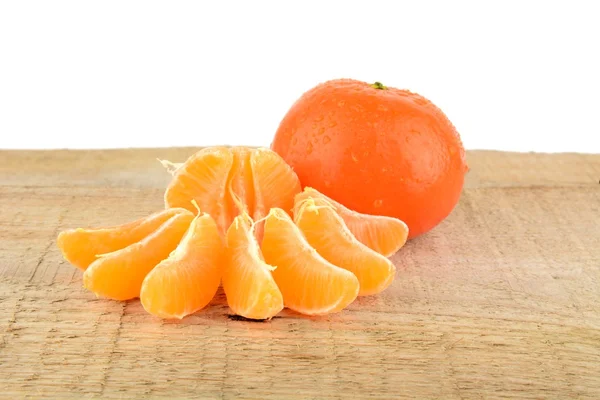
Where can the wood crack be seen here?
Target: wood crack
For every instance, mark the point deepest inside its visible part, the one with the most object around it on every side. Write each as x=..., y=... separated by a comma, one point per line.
x=451, y=372
x=51, y=239
x=226, y=366
x=11, y=322
x=113, y=351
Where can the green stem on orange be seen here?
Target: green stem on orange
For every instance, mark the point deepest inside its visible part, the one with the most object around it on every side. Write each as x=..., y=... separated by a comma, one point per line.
x=379, y=86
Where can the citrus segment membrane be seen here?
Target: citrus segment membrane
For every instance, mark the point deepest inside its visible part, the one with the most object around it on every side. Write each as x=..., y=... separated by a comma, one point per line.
x=326, y=231
x=386, y=235
x=248, y=282
x=258, y=176
x=309, y=283
x=119, y=275
x=188, y=279
x=81, y=247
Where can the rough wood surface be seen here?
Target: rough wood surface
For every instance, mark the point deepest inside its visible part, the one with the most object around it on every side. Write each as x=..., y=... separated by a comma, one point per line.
x=502, y=300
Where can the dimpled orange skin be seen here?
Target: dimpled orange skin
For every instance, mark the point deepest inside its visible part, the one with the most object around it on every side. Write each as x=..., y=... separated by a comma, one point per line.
x=375, y=149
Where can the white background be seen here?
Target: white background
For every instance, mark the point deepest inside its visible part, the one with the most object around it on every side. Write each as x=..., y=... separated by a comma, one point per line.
x=511, y=75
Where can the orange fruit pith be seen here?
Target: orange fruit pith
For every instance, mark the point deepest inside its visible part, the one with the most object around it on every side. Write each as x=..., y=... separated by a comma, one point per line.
x=188, y=279
x=385, y=235
x=326, y=231
x=309, y=283
x=378, y=150
x=259, y=177
x=248, y=283
x=80, y=246
x=119, y=275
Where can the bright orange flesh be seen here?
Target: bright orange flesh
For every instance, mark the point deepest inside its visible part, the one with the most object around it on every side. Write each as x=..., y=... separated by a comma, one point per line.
x=309, y=283
x=275, y=182
x=119, y=275
x=203, y=177
x=259, y=177
x=188, y=279
x=247, y=280
x=81, y=247
x=326, y=231
x=385, y=235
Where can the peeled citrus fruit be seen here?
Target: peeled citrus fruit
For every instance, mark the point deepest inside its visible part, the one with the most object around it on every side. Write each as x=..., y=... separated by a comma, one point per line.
x=376, y=149
x=119, y=275
x=385, y=235
x=248, y=283
x=188, y=279
x=80, y=246
x=309, y=283
x=326, y=231
x=315, y=263
x=258, y=176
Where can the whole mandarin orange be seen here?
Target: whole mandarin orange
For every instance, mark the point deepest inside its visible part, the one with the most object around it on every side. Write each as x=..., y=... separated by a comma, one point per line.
x=375, y=149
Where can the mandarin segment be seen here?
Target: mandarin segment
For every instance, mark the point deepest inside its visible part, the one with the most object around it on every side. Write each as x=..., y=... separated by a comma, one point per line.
x=119, y=275
x=241, y=183
x=258, y=176
x=309, y=283
x=203, y=178
x=326, y=231
x=248, y=283
x=386, y=235
x=81, y=247
x=188, y=279
x=275, y=181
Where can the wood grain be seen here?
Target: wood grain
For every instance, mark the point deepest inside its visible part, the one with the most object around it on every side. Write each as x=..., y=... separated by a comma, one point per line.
x=501, y=300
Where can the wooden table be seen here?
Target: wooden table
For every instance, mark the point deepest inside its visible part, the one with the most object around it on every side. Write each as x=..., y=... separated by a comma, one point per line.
x=500, y=300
